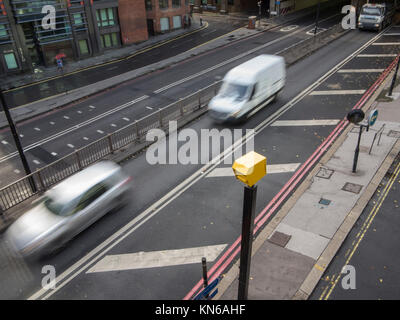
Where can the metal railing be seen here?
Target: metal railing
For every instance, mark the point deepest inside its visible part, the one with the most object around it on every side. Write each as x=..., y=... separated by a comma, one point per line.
x=22, y=189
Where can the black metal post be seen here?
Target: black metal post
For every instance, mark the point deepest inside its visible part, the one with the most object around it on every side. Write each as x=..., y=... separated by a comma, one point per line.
x=204, y=266
x=249, y=206
x=17, y=141
x=317, y=17
x=357, y=151
x=394, y=77
x=205, y=277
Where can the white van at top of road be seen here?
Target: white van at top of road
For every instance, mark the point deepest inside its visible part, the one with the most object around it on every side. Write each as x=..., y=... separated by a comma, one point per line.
x=248, y=87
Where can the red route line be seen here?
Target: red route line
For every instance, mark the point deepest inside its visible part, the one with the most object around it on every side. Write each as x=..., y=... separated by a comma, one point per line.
x=297, y=176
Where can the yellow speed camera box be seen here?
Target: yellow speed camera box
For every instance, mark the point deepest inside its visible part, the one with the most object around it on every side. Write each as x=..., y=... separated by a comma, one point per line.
x=250, y=168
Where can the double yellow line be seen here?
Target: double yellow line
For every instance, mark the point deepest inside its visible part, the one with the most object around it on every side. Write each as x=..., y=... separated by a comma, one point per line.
x=360, y=235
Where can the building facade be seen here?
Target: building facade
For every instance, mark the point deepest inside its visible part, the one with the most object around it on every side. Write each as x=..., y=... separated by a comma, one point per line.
x=81, y=29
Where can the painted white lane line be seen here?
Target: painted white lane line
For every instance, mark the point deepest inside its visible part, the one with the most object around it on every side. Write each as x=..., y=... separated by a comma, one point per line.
x=36, y=162
x=156, y=259
x=4, y=142
x=289, y=28
x=391, y=34
x=99, y=131
x=333, y=92
x=80, y=112
x=293, y=123
x=85, y=138
x=386, y=44
x=66, y=117
x=92, y=107
x=76, y=127
x=54, y=153
x=17, y=171
x=36, y=129
x=150, y=108
x=360, y=70
x=272, y=168
x=70, y=145
x=120, y=235
x=52, y=123
x=126, y=119
x=113, y=125
x=378, y=55
x=21, y=135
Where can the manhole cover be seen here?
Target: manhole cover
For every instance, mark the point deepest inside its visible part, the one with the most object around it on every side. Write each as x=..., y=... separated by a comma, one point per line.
x=394, y=134
x=279, y=238
x=352, y=187
x=325, y=173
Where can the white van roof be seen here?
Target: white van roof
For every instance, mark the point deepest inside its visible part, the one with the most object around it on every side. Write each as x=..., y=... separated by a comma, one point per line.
x=247, y=71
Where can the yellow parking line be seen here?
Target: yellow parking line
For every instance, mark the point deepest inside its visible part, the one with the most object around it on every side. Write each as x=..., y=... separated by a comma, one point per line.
x=366, y=225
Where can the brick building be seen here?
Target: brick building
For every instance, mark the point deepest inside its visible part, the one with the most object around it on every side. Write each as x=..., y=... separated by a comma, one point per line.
x=82, y=28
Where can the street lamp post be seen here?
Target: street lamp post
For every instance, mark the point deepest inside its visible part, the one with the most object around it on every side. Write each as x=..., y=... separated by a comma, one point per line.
x=249, y=169
x=17, y=141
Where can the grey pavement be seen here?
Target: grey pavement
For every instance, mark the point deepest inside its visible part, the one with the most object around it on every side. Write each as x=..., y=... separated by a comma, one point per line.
x=292, y=252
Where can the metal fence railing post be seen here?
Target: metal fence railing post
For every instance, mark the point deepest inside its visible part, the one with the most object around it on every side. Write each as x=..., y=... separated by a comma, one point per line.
x=41, y=182
x=78, y=160
x=110, y=144
x=137, y=131
x=160, y=117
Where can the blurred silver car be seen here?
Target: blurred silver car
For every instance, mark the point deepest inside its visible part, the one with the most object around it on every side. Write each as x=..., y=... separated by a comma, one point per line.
x=69, y=208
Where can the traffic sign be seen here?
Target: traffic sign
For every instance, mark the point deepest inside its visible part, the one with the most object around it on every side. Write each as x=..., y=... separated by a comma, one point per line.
x=205, y=294
x=373, y=116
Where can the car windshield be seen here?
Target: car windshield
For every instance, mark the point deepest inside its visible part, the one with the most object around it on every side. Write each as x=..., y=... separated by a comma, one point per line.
x=58, y=207
x=236, y=91
x=371, y=11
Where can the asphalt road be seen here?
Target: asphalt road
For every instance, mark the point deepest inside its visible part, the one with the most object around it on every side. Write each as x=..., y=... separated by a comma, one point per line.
x=181, y=207
x=370, y=248
x=58, y=133
x=27, y=94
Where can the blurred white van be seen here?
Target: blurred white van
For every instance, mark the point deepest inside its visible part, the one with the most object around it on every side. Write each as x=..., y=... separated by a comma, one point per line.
x=247, y=88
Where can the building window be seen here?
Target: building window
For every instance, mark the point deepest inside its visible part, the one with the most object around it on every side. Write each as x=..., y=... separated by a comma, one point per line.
x=83, y=47
x=163, y=4
x=109, y=40
x=11, y=62
x=78, y=19
x=3, y=31
x=177, y=22
x=148, y=5
x=176, y=3
x=105, y=17
x=164, y=23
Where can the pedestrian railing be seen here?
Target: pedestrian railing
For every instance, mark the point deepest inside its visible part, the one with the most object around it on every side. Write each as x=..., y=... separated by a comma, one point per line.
x=45, y=177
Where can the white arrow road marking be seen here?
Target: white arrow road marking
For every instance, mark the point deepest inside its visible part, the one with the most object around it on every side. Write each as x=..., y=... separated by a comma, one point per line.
x=156, y=259
x=332, y=92
x=272, y=168
x=293, y=123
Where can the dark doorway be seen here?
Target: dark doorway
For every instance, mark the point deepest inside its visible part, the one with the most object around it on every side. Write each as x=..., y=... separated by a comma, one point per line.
x=32, y=44
x=150, y=27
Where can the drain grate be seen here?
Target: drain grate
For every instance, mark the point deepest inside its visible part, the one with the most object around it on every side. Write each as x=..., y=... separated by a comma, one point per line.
x=280, y=239
x=325, y=173
x=352, y=187
x=394, y=134
x=325, y=202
